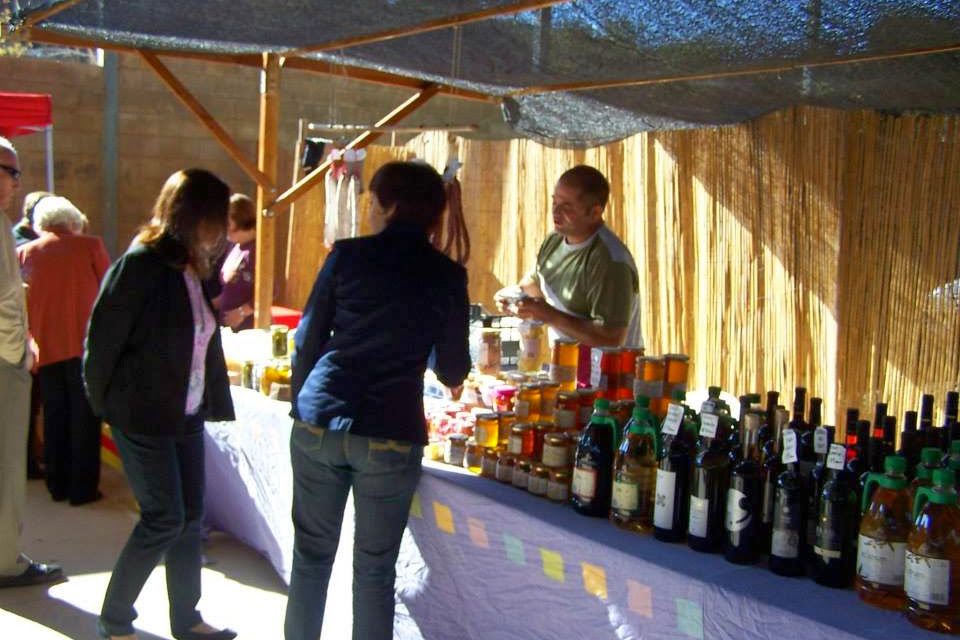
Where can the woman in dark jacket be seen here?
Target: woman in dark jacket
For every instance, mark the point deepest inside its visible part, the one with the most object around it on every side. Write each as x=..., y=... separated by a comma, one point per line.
x=154, y=369
x=383, y=308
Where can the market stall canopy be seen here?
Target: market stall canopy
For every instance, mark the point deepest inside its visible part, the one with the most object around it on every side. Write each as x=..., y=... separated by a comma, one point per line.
x=579, y=73
x=22, y=113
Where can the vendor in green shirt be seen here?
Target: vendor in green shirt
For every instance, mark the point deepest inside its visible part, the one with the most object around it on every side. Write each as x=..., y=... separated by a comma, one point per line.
x=585, y=285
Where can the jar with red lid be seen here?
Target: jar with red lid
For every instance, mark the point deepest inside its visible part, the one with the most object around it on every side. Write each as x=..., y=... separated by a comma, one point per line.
x=585, y=399
x=503, y=397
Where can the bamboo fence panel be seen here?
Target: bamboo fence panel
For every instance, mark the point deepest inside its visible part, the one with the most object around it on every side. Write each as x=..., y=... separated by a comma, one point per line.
x=799, y=249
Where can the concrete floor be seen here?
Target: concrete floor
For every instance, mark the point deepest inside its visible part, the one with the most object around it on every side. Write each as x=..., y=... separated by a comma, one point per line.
x=240, y=588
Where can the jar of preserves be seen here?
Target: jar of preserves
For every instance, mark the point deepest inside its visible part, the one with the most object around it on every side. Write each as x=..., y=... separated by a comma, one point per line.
x=548, y=399
x=585, y=399
x=487, y=430
x=649, y=377
x=628, y=371
x=537, y=480
x=278, y=340
x=563, y=363
x=507, y=420
x=521, y=473
x=532, y=346
x=676, y=369
x=605, y=371
x=488, y=360
x=558, y=485
x=505, y=464
x=540, y=431
x=454, y=448
x=503, y=397
x=472, y=456
x=568, y=408
x=527, y=404
x=557, y=453
x=488, y=463
x=521, y=440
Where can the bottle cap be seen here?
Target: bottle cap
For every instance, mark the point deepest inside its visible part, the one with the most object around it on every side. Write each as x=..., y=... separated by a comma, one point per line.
x=894, y=464
x=602, y=404
x=713, y=392
x=679, y=395
x=930, y=456
x=943, y=477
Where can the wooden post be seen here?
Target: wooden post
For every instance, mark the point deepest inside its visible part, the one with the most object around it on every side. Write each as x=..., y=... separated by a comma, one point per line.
x=267, y=164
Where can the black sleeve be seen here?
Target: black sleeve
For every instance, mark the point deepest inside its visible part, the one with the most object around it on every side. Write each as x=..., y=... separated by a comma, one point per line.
x=450, y=358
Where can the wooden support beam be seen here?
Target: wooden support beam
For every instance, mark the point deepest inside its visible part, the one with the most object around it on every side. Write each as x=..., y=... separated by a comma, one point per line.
x=46, y=14
x=207, y=120
x=367, y=137
x=780, y=68
x=267, y=163
x=430, y=25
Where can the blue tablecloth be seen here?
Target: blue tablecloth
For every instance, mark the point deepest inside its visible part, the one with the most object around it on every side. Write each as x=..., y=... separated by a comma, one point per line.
x=483, y=560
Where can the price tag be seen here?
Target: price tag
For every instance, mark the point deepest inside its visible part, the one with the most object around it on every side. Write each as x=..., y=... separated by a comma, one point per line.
x=789, y=455
x=708, y=424
x=821, y=440
x=671, y=425
x=837, y=456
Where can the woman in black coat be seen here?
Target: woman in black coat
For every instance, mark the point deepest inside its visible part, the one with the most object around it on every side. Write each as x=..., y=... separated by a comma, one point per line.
x=154, y=369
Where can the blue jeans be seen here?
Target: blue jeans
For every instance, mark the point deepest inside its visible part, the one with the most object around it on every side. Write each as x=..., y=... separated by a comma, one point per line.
x=166, y=475
x=383, y=475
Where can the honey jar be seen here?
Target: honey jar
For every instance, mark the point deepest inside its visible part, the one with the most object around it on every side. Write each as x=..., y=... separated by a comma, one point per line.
x=488, y=463
x=521, y=440
x=558, y=485
x=677, y=367
x=505, y=464
x=487, y=430
x=537, y=480
x=454, y=448
x=472, y=456
x=527, y=404
x=521, y=473
x=548, y=399
x=540, y=431
x=568, y=408
x=649, y=377
x=507, y=420
x=563, y=363
x=556, y=451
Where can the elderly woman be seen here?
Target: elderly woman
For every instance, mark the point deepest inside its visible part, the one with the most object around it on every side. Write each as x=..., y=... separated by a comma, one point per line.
x=154, y=369
x=383, y=308
x=63, y=269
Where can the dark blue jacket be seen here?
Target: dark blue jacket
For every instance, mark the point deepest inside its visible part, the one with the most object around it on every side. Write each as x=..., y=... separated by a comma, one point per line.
x=381, y=307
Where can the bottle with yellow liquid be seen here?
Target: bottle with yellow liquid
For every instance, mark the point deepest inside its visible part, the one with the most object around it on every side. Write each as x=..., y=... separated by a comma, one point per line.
x=933, y=557
x=635, y=471
x=882, y=544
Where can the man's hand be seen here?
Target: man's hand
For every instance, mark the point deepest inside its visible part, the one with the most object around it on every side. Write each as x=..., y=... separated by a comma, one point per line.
x=235, y=317
x=535, y=309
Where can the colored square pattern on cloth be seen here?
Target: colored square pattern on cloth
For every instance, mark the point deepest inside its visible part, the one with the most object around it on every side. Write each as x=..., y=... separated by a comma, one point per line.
x=640, y=598
x=416, y=509
x=444, y=517
x=514, y=548
x=552, y=564
x=594, y=580
x=478, y=533
x=690, y=618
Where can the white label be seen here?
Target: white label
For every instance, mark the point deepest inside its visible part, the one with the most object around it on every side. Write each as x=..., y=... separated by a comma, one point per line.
x=584, y=483
x=557, y=490
x=927, y=580
x=789, y=447
x=880, y=561
x=699, y=508
x=515, y=445
x=536, y=485
x=522, y=409
x=671, y=425
x=562, y=374
x=565, y=418
x=663, y=505
x=820, y=440
x=531, y=348
x=828, y=554
x=555, y=456
x=488, y=467
x=738, y=518
x=626, y=496
x=837, y=456
x=708, y=424
x=520, y=478
x=785, y=543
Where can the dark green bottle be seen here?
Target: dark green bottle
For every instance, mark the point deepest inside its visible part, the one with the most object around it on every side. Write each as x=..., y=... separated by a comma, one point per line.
x=835, y=550
x=710, y=477
x=593, y=464
x=786, y=544
x=742, y=525
x=672, y=501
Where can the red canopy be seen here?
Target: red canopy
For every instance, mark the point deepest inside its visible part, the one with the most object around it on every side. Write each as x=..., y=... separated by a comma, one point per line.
x=22, y=113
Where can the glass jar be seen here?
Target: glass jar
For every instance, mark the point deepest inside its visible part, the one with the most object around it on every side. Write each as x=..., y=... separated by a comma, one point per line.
x=488, y=463
x=540, y=431
x=556, y=451
x=487, y=430
x=275, y=371
x=563, y=363
x=488, y=361
x=527, y=405
x=568, y=408
x=505, y=464
x=521, y=473
x=605, y=371
x=548, y=399
x=246, y=374
x=585, y=400
x=558, y=485
x=503, y=397
x=472, y=456
x=278, y=340
x=454, y=448
x=507, y=420
x=649, y=377
x=628, y=371
x=537, y=480
x=677, y=366
x=521, y=439
x=532, y=346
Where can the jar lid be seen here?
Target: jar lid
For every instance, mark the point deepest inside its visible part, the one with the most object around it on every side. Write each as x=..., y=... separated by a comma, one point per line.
x=559, y=475
x=506, y=457
x=488, y=416
x=682, y=357
x=530, y=386
x=565, y=341
x=520, y=427
x=460, y=438
x=555, y=437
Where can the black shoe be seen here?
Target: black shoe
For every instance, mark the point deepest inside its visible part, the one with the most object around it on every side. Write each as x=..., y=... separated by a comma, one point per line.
x=74, y=502
x=223, y=634
x=35, y=573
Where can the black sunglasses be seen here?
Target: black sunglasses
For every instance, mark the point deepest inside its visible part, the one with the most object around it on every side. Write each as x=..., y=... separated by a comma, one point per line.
x=13, y=172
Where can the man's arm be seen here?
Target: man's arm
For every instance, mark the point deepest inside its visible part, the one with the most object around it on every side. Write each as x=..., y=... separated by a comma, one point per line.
x=585, y=330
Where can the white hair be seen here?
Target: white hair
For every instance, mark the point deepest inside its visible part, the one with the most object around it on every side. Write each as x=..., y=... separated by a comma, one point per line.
x=7, y=145
x=57, y=211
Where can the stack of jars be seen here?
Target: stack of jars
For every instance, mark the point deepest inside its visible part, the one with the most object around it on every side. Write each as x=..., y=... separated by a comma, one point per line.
x=656, y=377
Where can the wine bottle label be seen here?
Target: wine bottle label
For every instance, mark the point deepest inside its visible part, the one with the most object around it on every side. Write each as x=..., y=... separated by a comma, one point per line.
x=626, y=496
x=554, y=456
x=522, y=409
x=699, y=513
x=671, y=425
x=789, y=446
x=820, y=440
x=927, y=580
x=785, y=543
x=880, y=561
x=515, y=445
x=663, y=505
x=708, y=425
x=738, y=511
x=830, y=535
x=584, y=483
x=837, y=457
x=565, y=418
